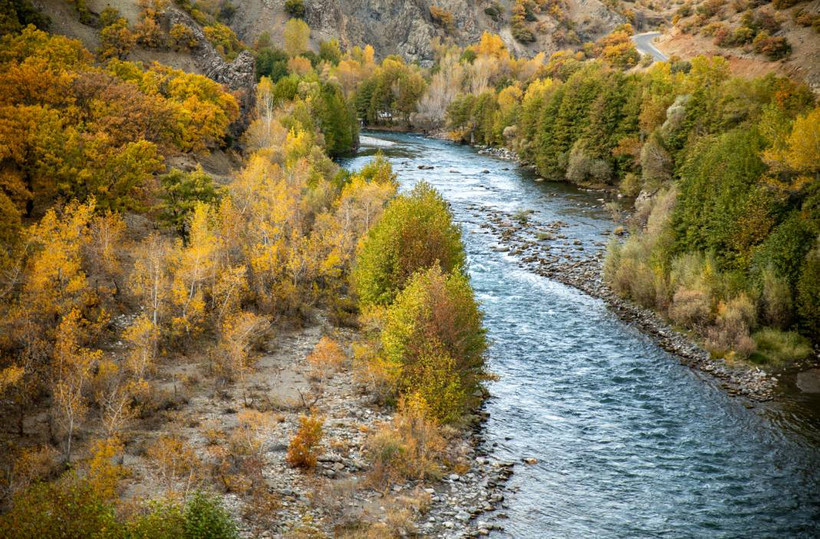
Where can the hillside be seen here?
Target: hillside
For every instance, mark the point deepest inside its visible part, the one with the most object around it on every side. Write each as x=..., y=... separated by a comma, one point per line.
x=755, y=36
x=390, y=26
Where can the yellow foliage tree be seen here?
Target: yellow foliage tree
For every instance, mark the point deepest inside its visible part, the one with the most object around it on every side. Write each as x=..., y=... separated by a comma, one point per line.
x=72, y=370
x=297, y=37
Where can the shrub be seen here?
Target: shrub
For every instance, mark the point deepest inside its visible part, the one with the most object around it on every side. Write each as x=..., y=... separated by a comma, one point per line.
x=411, y=447
x=174, y=462
x=780, y=347
x=327, y=356
x=691, y=280
x=774, y=48
x=116, y=40
x=304, y=450
x=808, y=295
x=415, y=232
x=586, y=170
x=224, y=40
x=730, y=335
x=163, y=520
x=742, y=36
x=295, y=8
x=206, y=518
x=775, y=300
x=182, y=37
x=494, y=11
x=690, y=307
x=68, y=507
x=443, y=18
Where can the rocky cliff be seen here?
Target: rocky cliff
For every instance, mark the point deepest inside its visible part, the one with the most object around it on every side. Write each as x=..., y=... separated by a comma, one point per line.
x=407, y=27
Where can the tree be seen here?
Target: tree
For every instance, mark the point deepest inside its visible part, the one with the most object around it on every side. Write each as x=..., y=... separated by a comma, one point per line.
x=240, y=334
x=72, y=372
x=150, y=278
x=338, y=121
x=182, y=191
x=433, y=332
x=297, y=37
x=415, y=232
x=143, y=336
x=193, y=268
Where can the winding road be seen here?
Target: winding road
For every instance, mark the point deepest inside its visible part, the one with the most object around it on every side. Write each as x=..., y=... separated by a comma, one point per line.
x=644, y=44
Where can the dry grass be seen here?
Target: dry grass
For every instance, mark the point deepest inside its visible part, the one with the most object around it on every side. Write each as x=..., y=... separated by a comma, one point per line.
x=410, y=447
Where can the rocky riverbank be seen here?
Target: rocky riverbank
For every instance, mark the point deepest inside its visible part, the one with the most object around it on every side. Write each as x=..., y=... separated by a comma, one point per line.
x=342, y=493
x=546, y=250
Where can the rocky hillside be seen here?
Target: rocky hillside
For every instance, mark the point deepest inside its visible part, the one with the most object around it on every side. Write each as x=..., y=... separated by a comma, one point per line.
x=390, y=26
x=756, y=36
x=407, y=27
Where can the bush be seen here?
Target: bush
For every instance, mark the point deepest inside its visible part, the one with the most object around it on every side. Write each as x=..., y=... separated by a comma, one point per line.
x=295, y=8
x=415, y=232
x=443, y=18
x=433, y=333
x=808, y=295
x=182, y=37
x=774, y=48
x=494, y=11
x=411, y=447
x=68, y=507
x=586, y=170
x=690, y=307
x=205, y=518
x=775, y=300
x=163, y=520
x=224, y=40
x=730, y=336
x=304, y=450
x=780, y=347
x=327, y=356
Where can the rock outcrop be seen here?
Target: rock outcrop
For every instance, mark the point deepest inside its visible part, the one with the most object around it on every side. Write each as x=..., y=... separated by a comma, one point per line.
x=407, y=28
x=239, y=76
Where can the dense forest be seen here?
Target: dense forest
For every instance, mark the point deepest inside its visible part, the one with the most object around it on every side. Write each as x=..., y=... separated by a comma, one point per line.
x=119, y=265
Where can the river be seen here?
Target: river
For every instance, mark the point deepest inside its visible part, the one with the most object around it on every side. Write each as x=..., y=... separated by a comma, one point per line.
x=629, y=442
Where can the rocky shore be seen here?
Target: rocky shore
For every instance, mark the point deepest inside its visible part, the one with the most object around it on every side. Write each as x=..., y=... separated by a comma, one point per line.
x=342, y=491
x=545, y=250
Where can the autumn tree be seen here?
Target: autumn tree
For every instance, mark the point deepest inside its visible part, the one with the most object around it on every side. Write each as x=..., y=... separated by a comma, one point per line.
x=296, y=36
x=72, y=369
x=193, y=266
x=433, y=333
x=116, y=40
x=415, y=232
x=240, y=334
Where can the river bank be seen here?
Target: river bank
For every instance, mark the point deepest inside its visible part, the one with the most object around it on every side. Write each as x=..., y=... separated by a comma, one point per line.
x=586, y=274
x=535, y=250
x=342, y=494
x=622, y=439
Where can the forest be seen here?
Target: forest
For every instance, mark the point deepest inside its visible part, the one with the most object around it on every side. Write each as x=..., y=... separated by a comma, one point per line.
x=116, y=265
x=118, y=269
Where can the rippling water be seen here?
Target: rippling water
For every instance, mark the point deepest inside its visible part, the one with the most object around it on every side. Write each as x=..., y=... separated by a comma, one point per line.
x=629, y=442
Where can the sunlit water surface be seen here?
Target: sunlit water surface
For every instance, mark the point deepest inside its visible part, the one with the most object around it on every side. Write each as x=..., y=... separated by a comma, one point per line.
x=629, y=443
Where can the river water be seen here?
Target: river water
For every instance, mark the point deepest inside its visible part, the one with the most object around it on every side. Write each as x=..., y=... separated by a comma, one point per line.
x=629, y=443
